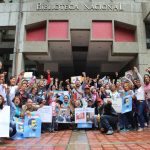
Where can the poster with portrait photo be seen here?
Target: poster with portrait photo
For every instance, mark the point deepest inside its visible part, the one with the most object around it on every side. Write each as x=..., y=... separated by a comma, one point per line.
x=76, y=78
x=84, y=115
x=126, y=104
x=64, y=116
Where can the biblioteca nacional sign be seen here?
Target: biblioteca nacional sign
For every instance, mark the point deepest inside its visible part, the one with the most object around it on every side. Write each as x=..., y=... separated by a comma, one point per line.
x=79, y=7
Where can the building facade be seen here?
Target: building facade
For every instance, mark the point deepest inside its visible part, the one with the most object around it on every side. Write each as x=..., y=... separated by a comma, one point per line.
x=71, y=36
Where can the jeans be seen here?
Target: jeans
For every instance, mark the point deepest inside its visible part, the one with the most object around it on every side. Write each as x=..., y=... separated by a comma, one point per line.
x=12, y=128
x=108, y=122
x=141, y=112
x=54, y=125
x=127, y=120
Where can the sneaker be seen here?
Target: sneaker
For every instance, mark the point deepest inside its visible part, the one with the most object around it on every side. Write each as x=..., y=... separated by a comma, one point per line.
x=140, y=129
x=145, y=124
x=124, y=130
x=109, y=132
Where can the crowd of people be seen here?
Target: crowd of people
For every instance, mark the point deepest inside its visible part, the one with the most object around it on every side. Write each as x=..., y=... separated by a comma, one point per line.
x=25, y=96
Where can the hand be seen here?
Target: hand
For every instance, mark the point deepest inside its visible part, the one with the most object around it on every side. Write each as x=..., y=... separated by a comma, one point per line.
x=8, y=90
x=4, y=73
x=148, y=69
x=22, y=72
x=84, y=74
x=98, y=76
x=136, y=70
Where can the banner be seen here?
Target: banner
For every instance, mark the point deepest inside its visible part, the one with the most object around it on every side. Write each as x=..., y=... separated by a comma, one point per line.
x=32, y=126
x=45, y=113
x=121, y=105
x=64, y=116
x=76, y=78
x=4, y=121
x=84, y=115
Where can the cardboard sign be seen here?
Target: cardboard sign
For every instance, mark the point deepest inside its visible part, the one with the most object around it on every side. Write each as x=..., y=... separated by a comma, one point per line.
x=129, y=74
x=45, y=113
x=127, y=104
x=63, y=116
x=76, y=78
x=121, y=105
x=19, y=129
x=4, y=121
x=84, y=115
x=32, y=126
x=28, y=75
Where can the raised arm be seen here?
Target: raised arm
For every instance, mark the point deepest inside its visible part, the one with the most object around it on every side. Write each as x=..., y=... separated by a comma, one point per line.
x=139, y=76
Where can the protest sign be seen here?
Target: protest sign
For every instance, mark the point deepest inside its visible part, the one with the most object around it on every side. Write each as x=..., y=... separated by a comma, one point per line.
x=127, y=104
x=32, y=126
x=28, y=75
x=4, y=121
x=64, y=116
x=19, y=129
x=121, y=105
x=76, y=78
x=84, y=115
x=45, y=113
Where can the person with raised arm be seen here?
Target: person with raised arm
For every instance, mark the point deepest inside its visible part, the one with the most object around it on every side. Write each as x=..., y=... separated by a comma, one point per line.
x=140, y=96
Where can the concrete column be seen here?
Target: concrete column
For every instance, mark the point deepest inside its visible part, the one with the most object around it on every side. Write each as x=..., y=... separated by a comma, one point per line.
x=143, y=62
x=18, y=64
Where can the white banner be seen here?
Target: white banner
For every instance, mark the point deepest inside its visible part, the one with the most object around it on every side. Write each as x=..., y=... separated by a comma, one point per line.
x=4, y=121
x=45, y=113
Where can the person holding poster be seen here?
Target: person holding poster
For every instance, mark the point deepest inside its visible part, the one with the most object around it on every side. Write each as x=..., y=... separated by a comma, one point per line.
x=141, y=103
x=29, y=107
x=12, y=125
x=109, y=119
x=127, y=121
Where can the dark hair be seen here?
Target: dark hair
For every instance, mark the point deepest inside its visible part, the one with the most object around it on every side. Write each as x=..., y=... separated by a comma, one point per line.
x=34, y=88
x=2, y=105
x=146, y=75
x=20, y=105
x=11, y=77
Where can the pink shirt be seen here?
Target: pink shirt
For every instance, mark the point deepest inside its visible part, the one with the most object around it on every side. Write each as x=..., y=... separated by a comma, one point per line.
x=147, y=90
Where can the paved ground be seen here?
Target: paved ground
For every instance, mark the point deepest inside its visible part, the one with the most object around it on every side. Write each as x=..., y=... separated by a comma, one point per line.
x=83, y=140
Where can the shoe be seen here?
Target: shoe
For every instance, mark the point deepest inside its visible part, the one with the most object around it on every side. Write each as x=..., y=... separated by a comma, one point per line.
x=124, y=130
x=145, y=124
x=140, y=129
x=43, y=131
x=109, y=132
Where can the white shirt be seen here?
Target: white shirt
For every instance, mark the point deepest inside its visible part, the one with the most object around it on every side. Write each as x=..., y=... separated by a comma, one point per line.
x=12, y=93
x=140, y=94
x=3, y=91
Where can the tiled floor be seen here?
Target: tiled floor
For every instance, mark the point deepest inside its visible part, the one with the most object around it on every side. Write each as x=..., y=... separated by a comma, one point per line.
x=82, y=140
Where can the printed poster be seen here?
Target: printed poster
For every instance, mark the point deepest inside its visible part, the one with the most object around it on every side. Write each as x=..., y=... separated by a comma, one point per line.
x=45, y=113
x=121, y=105
x=28, y=75
x=64, y=116
x=76, y=78
x=127, y=104
x=32, y=126
x=84, y=115
x=4, y=121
